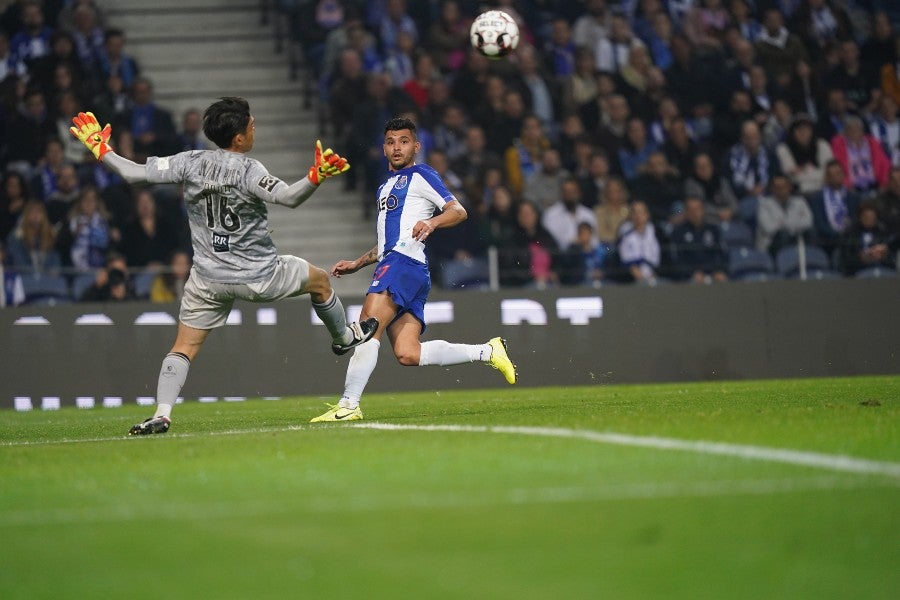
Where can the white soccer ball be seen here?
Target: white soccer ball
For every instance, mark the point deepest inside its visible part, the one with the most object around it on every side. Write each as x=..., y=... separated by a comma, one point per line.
x=494, y=33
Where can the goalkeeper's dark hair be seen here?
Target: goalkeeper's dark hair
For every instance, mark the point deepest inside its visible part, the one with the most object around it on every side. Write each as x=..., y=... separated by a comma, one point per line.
x=225, y=119
x=398, y=123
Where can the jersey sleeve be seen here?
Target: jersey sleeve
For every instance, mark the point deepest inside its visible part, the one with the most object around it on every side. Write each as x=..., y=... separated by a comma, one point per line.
x=260, y=183
x=167, y=169
x=435, y=192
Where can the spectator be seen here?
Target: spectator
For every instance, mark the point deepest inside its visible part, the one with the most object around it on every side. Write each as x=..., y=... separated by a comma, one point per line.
x=32, y=41
x=580, y=89
x=571, y=133
x=86, y=235
x=836, y=112
x=750, y=166
x=727, y=124
x=150, y=125
x=679, y=148
x=112, y=283
x=450, y=132
x=744, y=21
x=401, y=63
x=659, y=188
x=611, y=53
x=500, y=227
x=781, y=217
x=802, y=156
x=636, y=74
x=528, y=260
x=821, y=23
x=28, y=132
x=778, y=50
x=115, y=61
x=833, y=207
x=705, y=24
x=696, y=250
x=592, y=26
x=394, y=20
x=509, y=124
x=888, y=204
x=537, y=91
x=594, y=180
x=522, y=157
x=151, y=236
x=448, y=37
x=168, y=286
x=885, y=127
x=113, y=101
x=592, y=257
x=858, y=80
x=612, y=211
x=562, y=218
x=14, y=193
x=610, y=134
x=62, y=52
x=12, y=290
x=32, y=244
x=880, y=48
x=560, y=52
x=46, y=172
x=10, y=65
x=191, y=136
x=890, y=75
x=639, y=249
x=866, y=166
x=473, y=161
x=64, y=195
x=544, y=186
x=419, y=87
x=635, y=150
x=867, y=243
x=714, y=190
x=67, y=106
x=804, y=92
x=89, y=39
x=476, y=87
x=659, y=41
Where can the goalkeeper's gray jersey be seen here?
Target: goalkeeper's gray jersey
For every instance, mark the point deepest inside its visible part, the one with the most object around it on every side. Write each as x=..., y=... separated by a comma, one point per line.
x=225, y=194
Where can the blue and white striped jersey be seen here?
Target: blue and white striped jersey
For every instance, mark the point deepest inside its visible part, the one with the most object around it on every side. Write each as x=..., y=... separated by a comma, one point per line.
x=409, y=195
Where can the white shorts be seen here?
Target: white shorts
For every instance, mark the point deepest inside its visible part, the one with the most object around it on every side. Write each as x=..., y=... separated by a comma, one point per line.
x=206, y=304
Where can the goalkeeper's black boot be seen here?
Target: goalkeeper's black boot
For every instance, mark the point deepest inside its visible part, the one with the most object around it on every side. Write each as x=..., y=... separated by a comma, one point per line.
x=362, y=333
x=151, y=425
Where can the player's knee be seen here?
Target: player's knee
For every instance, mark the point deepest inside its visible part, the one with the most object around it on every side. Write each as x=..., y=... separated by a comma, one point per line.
x=318, y=283
x=408, y=358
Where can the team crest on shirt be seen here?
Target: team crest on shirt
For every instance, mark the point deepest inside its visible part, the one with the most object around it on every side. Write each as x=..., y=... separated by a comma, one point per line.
x=401, y=183
x=268, y=183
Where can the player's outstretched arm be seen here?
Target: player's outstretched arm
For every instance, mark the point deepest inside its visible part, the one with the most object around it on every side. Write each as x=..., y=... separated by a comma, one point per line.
x=325, y=164
x=87, y=129
x=346, y=267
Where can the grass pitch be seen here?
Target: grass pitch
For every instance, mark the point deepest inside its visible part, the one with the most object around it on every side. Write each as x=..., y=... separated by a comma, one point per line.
x=247, y=500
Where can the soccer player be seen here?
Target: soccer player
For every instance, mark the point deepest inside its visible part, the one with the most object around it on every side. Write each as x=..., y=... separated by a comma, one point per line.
x=401, y=282
x=225, y=193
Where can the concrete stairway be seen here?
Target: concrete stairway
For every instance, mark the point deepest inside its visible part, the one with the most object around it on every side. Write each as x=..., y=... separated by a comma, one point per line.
x=195, y=51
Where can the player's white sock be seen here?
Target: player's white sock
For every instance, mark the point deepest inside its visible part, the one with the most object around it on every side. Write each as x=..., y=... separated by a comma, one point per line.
x=439, y=352
x=360, y=368
x=175, y=367
x=332, y=314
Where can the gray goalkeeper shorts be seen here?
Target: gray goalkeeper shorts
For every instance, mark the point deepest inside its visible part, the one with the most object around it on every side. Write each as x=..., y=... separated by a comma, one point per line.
x=206, y=304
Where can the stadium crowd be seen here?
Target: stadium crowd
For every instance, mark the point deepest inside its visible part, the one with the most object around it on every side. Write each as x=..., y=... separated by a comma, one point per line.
x=633, y=140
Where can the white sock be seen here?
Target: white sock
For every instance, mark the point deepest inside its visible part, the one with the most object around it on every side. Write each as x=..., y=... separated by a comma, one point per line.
x=335, y=319
x=362, y=363
x=439, y=352
x=175, y=367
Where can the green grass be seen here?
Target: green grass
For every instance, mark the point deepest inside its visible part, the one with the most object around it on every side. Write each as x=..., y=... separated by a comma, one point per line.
x=246, y=500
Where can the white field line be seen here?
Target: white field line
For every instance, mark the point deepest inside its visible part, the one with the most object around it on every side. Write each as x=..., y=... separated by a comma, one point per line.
x=364, y=503
x=831, y=462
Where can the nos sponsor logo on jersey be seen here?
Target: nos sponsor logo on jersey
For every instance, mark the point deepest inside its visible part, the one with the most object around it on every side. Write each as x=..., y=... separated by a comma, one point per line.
x=268, y=183
x=220, y=242
x=389, y=203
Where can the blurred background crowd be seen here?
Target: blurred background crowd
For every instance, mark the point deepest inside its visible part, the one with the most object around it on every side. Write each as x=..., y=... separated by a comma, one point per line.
x=643, y=141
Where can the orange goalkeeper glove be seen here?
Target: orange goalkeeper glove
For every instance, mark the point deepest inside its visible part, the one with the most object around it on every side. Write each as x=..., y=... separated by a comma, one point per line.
x=327, y=164
x=87, y=129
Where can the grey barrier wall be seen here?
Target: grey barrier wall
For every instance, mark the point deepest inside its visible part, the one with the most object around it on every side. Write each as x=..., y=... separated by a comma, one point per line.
x=87, y=353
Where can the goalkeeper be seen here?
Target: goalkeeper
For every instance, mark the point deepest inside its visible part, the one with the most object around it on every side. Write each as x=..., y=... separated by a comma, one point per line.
x=225, y=194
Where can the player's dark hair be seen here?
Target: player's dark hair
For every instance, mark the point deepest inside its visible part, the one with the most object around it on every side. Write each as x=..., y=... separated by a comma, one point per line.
x=225, y=119
x=398, y=123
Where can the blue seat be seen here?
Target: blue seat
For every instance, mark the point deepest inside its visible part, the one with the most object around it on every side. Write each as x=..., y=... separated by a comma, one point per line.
x=736, y=234
x=143, y=282
x=465, y=273
x=787, y=262
x=875, y=273
x=45, y=289
x=748, y=263
x=81, y=283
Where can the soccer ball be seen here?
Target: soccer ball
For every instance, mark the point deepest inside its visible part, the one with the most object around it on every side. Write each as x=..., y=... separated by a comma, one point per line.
x=494, y=33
